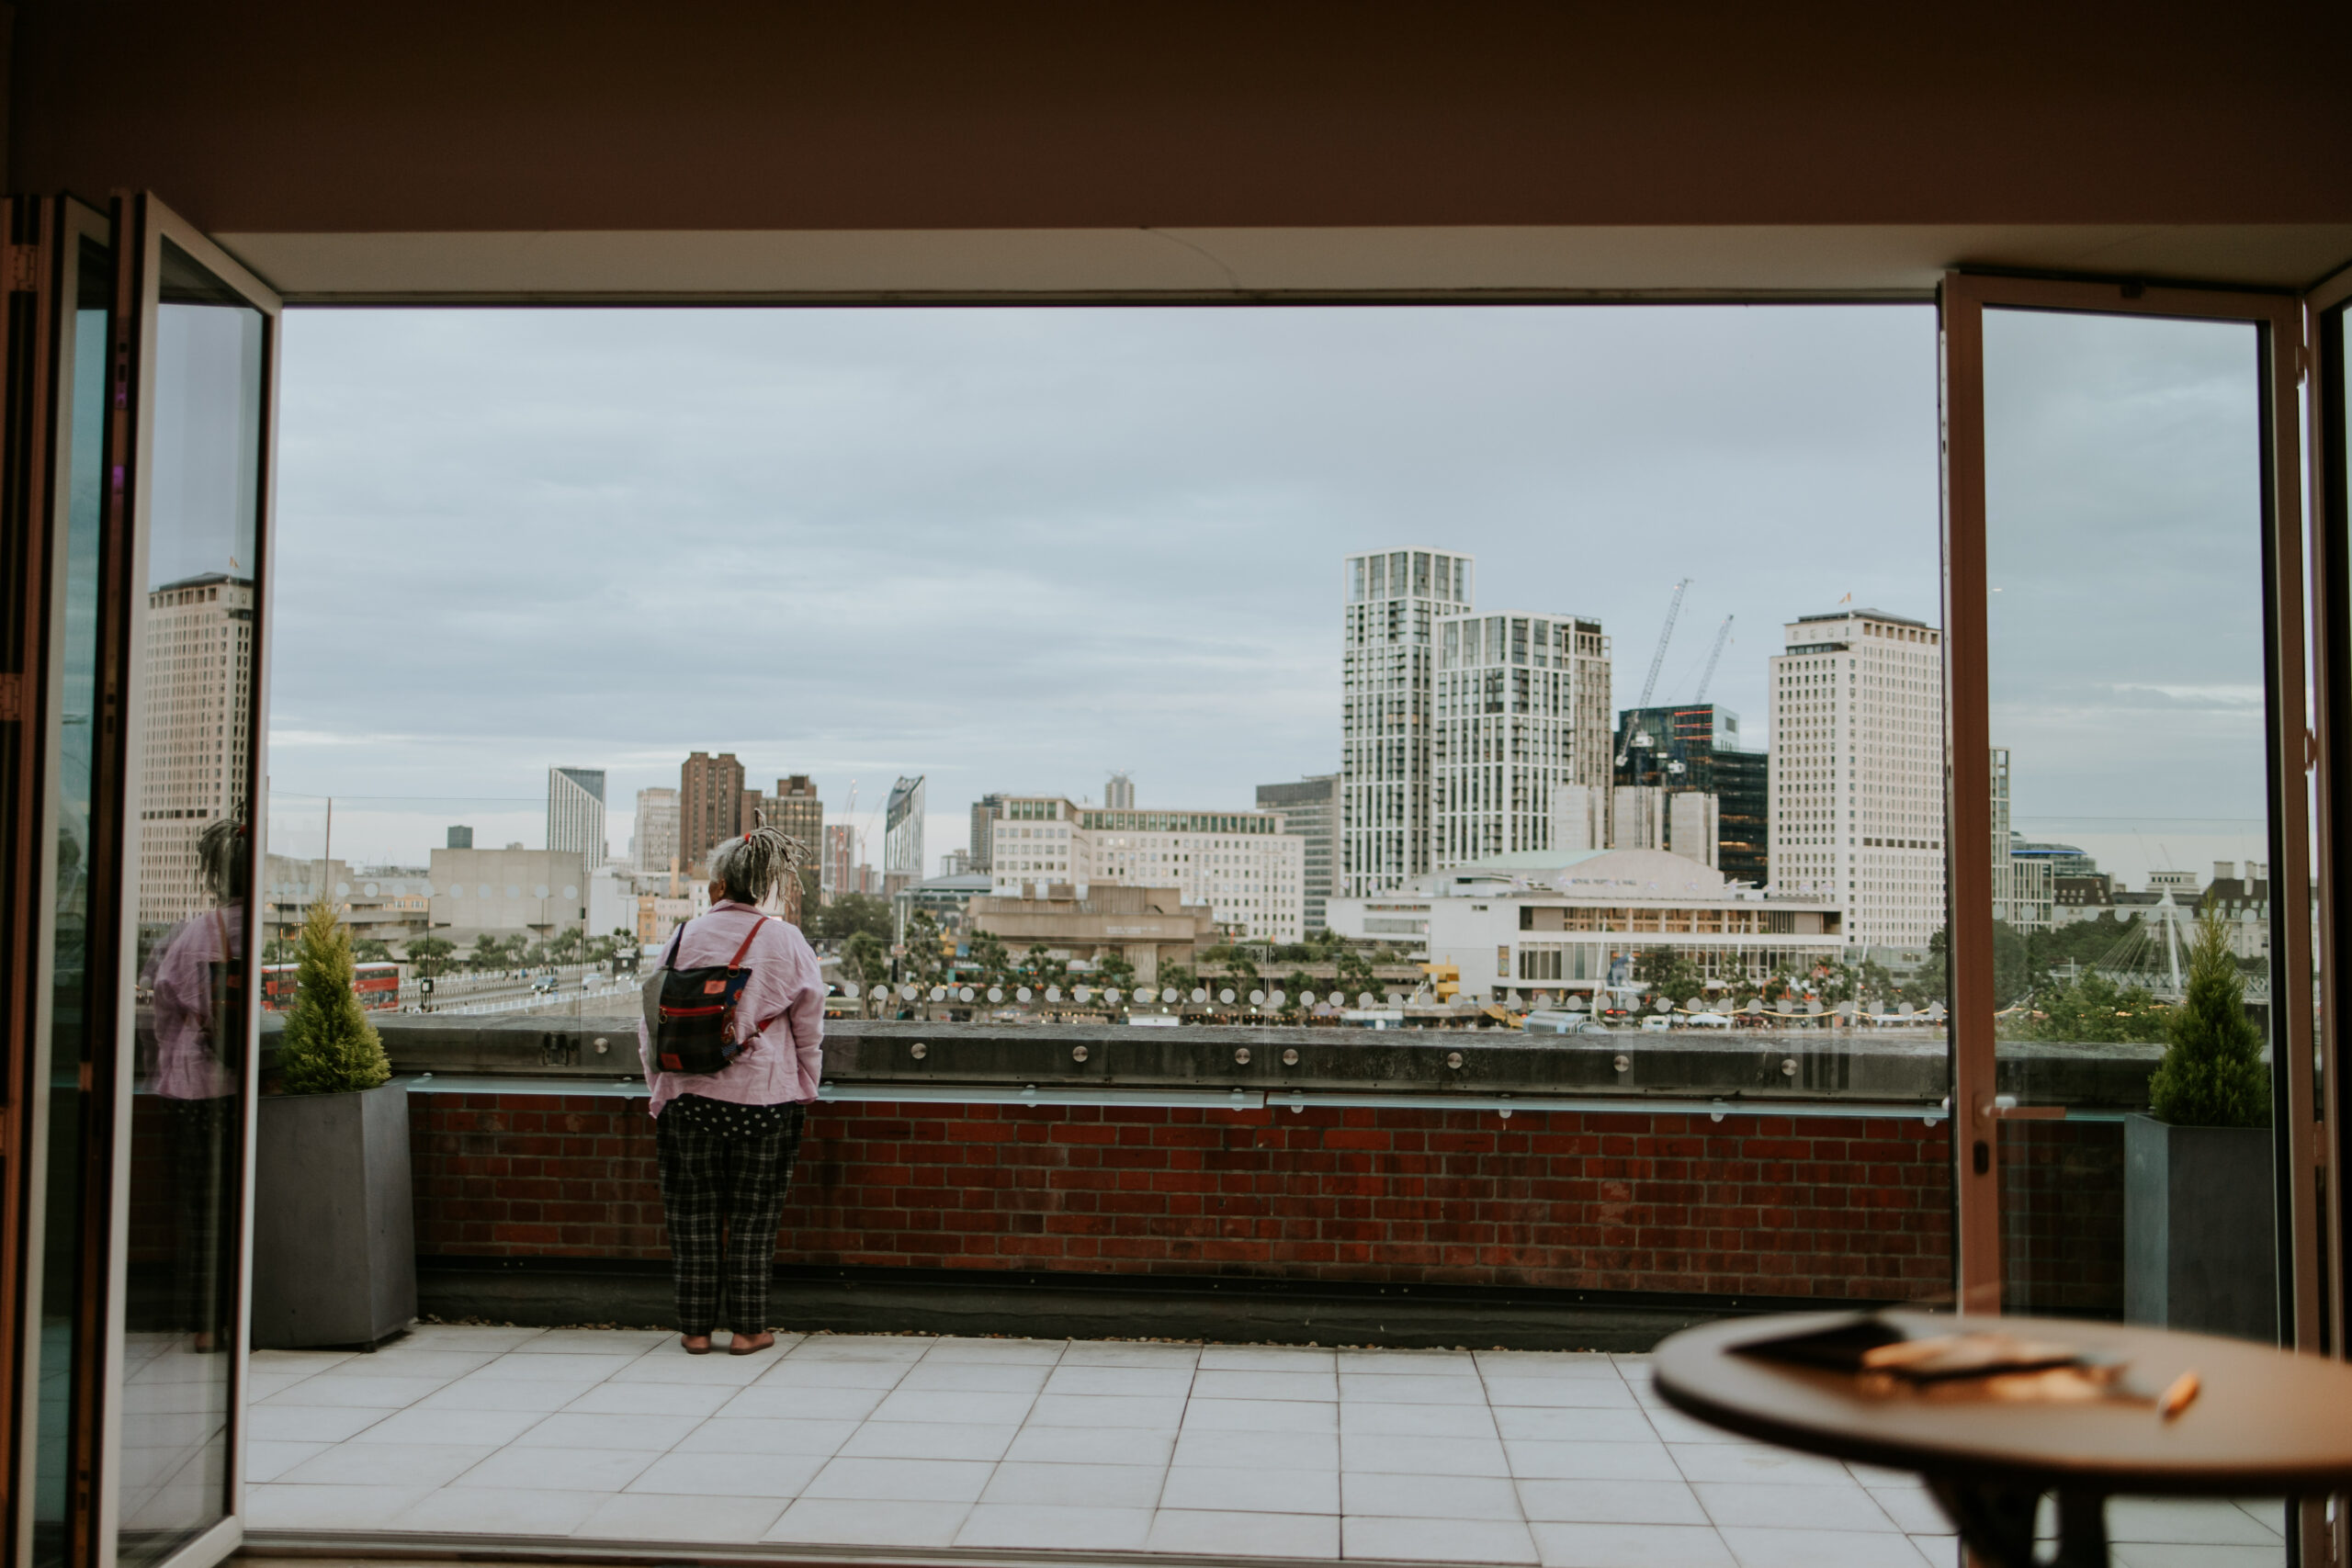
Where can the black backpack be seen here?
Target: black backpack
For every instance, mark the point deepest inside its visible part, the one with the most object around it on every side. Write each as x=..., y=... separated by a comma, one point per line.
x=691, y=1018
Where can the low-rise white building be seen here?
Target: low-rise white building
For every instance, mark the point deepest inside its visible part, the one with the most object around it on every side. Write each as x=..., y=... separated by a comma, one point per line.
x=1576, y=922
x=500, y=892
x=1243, y=864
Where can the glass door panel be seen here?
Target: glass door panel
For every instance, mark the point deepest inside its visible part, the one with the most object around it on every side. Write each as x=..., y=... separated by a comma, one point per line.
x=2132, y=838
x=194, y=782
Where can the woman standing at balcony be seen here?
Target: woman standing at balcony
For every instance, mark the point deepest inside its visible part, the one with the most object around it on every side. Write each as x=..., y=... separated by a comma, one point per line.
x=726, y=1140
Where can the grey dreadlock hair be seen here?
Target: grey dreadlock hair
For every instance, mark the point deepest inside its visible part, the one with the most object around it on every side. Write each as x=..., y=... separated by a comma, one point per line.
x=748, y=869
x=220, y=858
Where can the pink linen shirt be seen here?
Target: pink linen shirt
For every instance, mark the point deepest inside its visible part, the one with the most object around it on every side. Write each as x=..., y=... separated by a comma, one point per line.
x=784, y=996
x=187, y=1062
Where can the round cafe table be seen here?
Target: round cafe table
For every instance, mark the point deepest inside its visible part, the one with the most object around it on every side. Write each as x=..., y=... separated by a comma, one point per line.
x=2264, y=1422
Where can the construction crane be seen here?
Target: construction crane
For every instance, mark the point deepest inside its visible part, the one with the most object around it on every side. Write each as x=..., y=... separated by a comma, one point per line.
x=1665, y=636
x=1707, y=676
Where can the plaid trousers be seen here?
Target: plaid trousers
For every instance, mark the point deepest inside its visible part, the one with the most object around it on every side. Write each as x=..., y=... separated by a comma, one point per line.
x=724, y=1171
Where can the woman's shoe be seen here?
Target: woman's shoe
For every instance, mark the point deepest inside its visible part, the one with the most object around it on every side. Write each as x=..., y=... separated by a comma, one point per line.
x=745, y=1344
x=695, y=1344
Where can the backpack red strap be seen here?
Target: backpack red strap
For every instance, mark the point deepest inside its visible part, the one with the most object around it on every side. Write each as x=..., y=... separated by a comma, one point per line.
x=748, y=938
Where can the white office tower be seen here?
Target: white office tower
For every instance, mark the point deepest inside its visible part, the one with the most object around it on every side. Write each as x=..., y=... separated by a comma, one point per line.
x=656, y=838
x=1387, y=662
x=1579, y=818
x=2024, y=887
x=1119, y=793
x=1856, y=772
x=576, y=812
x=199, y=683
x=902, y=862
x=1521, y=708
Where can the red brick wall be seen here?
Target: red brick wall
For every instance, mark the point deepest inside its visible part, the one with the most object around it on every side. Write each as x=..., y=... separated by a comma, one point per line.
x=1826, y=1207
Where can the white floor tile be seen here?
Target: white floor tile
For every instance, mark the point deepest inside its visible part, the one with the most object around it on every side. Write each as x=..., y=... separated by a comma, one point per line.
x=1778, y=1506
x=792, y=1403
x=1076, y=1485
x=1001, y=1352
x=928, y=1440
x=1913, y=1510
x=563, y=1367
x=1590, y=1461
x=1383, y=1388
x=1753, y=1461
x=308, y=1423
x=388, y=1464
x=2185, y=1521
x=1024, y=1525
x=1255, y=1491
x=651, y=1517
x=677, y=1366
x=1630, y=1546
x=336, y=1388
x=1202, y=1532
x=1104, y=1410
x=1358, y=1419
x=1673, y=1427
x=559, y=1469
x=1266, y=1358
x=474, y=1392
x=596, y=1341
x=1144, y=1381
x=1943, y=1551
x=1437, y=1540
x=865, y=1347
x=267, y=1461
x=2145, y=1554
x=650, y=1398
x=1406, y=1364
x=468, y=1336
x=1819, y=1549
x=1432, y=1456
x=900, y=1480
x=507, y=1510
x=1611, y=1502
x=1429, y=1497
x=275, y=1507
x=493, y=1428
x=1264, y=1385
x=977, y=1409
x=839, y=1521
x=1249, y=1451
x=729, y=1474
x=1579, y=1425
x=417, y=1364
x=1547, y=1364
x=882, y=1375
x=306, y=1363
x=733, y=1435
x=1091, y=1445
x=1110, y=1353
x=1256, y=1415
x=967, y=1377
x=567, y=1429
x=1598, y=1393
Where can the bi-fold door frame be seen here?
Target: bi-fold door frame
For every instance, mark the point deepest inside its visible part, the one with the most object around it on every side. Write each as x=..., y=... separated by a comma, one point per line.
x=2297, y=775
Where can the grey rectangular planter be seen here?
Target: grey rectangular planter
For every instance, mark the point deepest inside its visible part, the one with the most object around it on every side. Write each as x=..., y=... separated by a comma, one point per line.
x=334, y=1226
x=2199, y=1243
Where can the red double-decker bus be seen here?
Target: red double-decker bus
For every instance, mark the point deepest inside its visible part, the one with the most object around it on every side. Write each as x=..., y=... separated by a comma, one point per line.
x=378, y=986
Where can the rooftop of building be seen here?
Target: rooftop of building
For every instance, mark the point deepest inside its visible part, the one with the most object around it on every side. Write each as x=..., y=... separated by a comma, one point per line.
x=1860, y=615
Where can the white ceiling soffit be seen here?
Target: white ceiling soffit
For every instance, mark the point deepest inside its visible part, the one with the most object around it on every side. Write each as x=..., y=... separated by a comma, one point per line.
x=1669, y=262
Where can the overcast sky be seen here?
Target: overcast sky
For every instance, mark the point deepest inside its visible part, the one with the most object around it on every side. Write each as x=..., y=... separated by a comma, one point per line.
x=1019, y=548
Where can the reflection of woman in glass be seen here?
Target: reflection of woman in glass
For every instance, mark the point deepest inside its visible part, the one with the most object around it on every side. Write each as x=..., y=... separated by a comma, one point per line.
x=198, y=979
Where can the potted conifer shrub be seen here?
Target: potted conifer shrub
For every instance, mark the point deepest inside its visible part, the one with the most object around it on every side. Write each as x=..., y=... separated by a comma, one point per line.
x=335, y=1237
x=2201, y=1246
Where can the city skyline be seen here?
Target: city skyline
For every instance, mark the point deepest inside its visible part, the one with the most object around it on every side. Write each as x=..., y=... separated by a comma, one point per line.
x=1016, y=549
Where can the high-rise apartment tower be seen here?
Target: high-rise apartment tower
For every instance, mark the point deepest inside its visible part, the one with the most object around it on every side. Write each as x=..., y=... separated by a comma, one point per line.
x=656, y=838
x=1520, y=708
x=710, y=803
x=1392, y=603
x=1856, y=778
x=902, y=862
